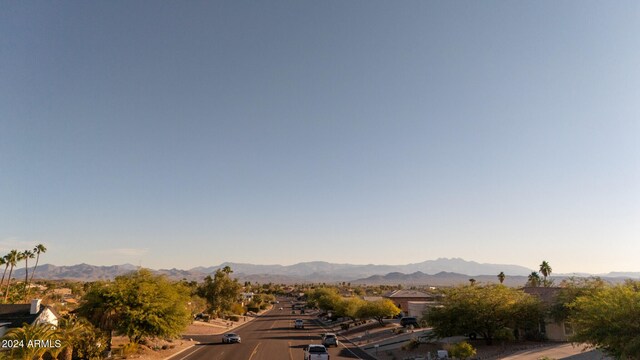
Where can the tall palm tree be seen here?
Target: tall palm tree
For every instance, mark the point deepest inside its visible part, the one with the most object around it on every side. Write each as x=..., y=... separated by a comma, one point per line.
x=26, y=255
x=13, y=257
x=501, y=277
x=545, y=270
x=3, y=261
x=38, y=250
x=227, y=270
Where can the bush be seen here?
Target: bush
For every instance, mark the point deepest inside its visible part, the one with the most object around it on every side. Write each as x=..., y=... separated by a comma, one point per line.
x=504, y=335
x=462, y=350
x=411, y=345
x=129, y=349
x=233, y=318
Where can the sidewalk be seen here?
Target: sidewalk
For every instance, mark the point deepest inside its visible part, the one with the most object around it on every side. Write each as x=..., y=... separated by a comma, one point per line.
x=559, y=351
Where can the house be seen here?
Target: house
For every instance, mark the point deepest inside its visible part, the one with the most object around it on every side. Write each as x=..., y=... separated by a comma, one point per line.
x=16, y=315
x=402, y=298
x=554, y=331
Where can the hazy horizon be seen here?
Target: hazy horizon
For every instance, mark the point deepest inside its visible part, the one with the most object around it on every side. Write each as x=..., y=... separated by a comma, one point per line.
x=177, y=134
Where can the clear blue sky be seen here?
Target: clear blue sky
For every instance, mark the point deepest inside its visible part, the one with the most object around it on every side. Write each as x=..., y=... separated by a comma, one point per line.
x=180, y=134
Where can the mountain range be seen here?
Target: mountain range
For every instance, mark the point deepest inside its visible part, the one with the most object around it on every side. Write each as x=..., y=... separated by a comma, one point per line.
x=440, y=272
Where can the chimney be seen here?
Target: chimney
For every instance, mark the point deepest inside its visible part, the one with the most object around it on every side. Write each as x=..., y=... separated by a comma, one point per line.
x=35, y=306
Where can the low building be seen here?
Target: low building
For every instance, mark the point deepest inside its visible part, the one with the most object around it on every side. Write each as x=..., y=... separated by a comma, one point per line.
x=553, y=330
x=16, y=315
x=401, y=298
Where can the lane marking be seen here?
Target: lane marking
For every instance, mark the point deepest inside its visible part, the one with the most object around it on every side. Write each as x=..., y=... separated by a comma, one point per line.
x=342, y=342
x=255, y=350
x=290, y=355
x=191, y=353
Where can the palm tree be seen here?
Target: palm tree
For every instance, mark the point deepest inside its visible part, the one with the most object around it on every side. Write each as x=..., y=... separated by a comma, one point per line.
x=545, y=270
x=38, y=250
x=12, y=260
x=29, y=333
x=26, y=255
x=227, y=270
x=70, y=331
x=533, y=279
x=3, y=261
x=501, y=277
x=472, y=281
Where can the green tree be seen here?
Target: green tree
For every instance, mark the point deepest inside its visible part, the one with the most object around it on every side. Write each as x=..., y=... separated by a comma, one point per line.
x=609, y=319
x=571, y=289
x=533, y=280
x=348, y=307
x=138, y=305
x=472, y=281
x=325, y=298
x=378, y=310
x=220, y=291
x=484, y=310
x=501, y=277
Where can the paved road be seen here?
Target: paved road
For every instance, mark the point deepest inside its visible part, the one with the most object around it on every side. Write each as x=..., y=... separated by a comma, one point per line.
x=271, y=336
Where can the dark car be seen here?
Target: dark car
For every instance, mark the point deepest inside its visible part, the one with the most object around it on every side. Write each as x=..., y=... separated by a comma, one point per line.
x=230, y=338
x=409, y=321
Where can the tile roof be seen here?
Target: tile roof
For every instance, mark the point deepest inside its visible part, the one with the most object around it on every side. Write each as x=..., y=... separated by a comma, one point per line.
x=546, y=294
x=407, y=294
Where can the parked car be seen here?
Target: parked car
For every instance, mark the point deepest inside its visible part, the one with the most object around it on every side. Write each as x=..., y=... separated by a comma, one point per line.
x=409, y=321
x=231, y=338
x=298, y=324
x=330, y=339
x=316, y=352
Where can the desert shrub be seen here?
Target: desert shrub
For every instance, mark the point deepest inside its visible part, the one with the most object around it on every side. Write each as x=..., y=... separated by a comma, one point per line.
x=129, y=349
x=462, y=350
x=504, y=335
x=411, y=345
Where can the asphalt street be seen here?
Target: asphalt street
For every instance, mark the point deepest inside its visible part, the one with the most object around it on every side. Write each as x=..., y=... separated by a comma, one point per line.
x=270, y=336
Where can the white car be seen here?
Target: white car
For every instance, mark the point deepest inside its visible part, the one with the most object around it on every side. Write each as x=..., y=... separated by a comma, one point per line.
x=231, y=338
x=330, y=339
x=316, y=352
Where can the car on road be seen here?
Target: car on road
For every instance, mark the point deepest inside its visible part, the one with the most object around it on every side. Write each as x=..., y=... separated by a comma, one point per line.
x=316, y=352
x=409, y=321
x=330, y=339
x=298, y=324
x=231, y=338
